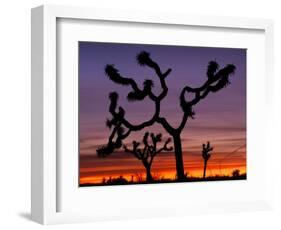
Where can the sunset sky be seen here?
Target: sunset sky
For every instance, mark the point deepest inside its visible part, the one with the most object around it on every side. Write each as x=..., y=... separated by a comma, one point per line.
x=220, y=118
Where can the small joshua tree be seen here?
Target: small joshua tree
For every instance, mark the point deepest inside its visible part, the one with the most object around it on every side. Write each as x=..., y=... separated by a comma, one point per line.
x=149, y=151
x=206, y=154
x=216, y=79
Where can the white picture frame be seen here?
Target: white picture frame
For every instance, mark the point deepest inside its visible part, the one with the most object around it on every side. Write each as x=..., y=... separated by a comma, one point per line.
x=46, y=186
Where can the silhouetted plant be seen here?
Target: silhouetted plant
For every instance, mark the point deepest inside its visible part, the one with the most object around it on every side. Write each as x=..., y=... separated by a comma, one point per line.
x=216, y=80
x=236, y=173
x=149, y=151
x=206, y=154
x=117, y=181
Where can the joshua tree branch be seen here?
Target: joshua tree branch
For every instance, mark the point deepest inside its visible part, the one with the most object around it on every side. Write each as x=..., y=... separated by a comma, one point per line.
x=136, y=151
x=216, y=81
x=144, y=59
x=119, y=116
x=165, y=147
x=137, y=94
x=115, y=76
x=183, y=122
x=149, y=151
x=113, y=133
x=165, y=124
x=125, y=135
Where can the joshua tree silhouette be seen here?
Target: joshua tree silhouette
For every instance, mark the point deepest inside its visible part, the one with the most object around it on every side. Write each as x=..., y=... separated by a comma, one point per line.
x=206, y=154
x=149, y=151
x=121, y=127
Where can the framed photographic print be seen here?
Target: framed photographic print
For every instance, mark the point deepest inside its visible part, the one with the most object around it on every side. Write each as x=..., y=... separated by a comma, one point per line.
x=138, y=114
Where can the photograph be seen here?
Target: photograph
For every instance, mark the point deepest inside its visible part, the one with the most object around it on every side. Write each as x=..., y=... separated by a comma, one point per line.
x=153, y=113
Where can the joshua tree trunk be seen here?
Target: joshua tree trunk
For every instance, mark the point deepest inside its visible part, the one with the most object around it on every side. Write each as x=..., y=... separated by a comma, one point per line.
x=206, y=154
x=204, y=172
x=179, y=158
x=149, y=177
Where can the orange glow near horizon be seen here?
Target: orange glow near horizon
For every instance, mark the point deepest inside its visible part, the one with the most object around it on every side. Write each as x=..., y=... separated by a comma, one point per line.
x=163, y=169
x=226, y=171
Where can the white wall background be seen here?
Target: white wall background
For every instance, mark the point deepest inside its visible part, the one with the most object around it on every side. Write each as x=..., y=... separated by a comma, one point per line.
x=15, y=112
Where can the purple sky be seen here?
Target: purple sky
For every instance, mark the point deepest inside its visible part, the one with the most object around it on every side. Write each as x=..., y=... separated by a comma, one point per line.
x=220, y=117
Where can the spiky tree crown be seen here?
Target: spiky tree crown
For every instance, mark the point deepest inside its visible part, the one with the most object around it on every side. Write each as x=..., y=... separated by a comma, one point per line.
x=114, y=75
x=149, y=150
x=212, y=69
x=206, y=151
x=143, y=58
